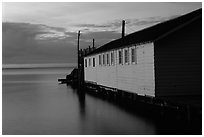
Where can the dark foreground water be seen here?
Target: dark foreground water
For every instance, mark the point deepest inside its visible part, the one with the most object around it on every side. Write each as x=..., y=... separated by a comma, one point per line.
x=34, y=103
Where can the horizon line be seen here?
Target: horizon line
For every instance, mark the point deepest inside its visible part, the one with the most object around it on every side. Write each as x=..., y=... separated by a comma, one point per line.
x=45, y=65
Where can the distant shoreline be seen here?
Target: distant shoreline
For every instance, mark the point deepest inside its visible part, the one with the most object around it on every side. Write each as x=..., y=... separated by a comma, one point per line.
x=38, y=66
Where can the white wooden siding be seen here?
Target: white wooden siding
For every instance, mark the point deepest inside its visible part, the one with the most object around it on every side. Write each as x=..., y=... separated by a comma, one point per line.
x=132, y=77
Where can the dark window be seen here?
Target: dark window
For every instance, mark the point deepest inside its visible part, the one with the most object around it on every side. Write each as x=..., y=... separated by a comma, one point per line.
x=126, y=56
x=103, y=59
x=120, y=57
x=93, y=62
x=112, y=58
x=85, y=62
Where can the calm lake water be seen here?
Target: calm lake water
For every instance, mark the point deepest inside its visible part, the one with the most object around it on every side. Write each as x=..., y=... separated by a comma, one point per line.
x=34, y=103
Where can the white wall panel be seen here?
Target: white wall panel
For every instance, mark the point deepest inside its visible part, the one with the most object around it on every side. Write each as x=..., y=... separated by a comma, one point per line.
x=136, y=78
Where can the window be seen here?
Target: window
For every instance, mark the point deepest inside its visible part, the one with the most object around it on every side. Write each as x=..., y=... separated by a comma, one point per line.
x=103, y=59
x=93, y=62
x=89, y=62
x=99, y=59
x=133, y=55
x=85, y=62
x=120, y=57
x=108, y=63
x=112, y=58
x=126, y=56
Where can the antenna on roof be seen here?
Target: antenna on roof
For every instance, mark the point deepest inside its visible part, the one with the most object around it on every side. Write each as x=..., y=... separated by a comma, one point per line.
x=123, y=28
x=93, y=43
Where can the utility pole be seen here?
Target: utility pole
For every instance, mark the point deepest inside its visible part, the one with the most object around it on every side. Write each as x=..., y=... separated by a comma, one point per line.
x=78, y=70
x=78, y=51
x=123, y=28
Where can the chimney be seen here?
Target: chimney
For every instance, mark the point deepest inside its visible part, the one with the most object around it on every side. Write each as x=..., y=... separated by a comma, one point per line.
x=123, y=28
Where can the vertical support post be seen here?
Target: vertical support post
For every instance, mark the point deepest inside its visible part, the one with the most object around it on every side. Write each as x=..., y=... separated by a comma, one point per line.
x=123, y=28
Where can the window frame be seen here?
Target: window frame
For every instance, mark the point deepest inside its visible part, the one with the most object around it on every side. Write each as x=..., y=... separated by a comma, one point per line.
x=100, y=60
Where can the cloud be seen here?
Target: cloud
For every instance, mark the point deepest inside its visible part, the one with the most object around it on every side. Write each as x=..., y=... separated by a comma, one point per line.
x=39, y=31
x=92, y=15
x=49, y=33
x=34, y=43
x=20, y=45
x=37, y=43
x=115, y=25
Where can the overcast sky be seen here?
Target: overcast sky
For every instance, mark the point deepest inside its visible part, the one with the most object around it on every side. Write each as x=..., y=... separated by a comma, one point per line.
x=36, y=33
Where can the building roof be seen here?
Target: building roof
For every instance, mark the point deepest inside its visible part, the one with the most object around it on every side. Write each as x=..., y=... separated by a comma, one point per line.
x=152, y=33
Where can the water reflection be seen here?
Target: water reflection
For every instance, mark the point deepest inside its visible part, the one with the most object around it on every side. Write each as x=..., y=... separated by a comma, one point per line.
x=36, y=104
x=146, y=120
x=81, y=97
x=82, y=105
x=99, y=116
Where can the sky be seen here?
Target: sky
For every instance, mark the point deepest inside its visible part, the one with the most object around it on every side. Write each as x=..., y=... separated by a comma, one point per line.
x=46, y=32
